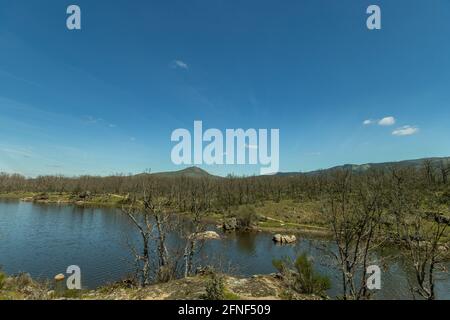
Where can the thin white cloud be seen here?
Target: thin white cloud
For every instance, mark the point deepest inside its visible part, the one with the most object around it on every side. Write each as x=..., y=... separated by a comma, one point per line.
x=18, y=151
x=387, y=121
x=180, y=64
x=405, y=131
x=92, y=120
x=368, y=122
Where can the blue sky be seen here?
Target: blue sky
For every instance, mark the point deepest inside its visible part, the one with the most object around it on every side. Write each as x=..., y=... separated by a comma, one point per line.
x=106, y=99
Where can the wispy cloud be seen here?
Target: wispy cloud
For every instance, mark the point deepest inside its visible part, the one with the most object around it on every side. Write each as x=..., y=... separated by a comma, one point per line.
x=92, y=120
x=387, y=121
x=18, y=152
x=179, y=64
x=405, y=131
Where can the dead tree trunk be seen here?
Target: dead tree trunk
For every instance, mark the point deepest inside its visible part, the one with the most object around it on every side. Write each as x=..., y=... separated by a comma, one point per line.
x=145, y=228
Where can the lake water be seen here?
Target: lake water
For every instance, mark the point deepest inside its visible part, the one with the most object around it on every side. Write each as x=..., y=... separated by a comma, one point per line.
x=44, y=239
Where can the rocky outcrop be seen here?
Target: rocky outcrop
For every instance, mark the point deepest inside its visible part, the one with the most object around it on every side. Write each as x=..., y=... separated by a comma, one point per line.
x=257, y=287
x=207, y=235
x=278, y=238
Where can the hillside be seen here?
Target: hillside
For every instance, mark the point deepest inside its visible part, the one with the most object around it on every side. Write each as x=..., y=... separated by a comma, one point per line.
x=195, y=172
x=191, y=172
x=358, y=168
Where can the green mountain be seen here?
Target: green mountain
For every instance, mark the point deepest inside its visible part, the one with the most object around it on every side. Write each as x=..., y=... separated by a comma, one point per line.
x=359, y=168
x=191, y=172
x=195, y=172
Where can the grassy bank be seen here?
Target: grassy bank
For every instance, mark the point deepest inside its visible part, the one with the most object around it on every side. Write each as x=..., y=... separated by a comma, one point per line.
x=106, y=200
x=286, y=216
x=283, y=216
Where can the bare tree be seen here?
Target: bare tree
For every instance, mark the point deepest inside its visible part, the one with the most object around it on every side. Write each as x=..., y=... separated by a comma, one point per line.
x=418, y=230
x=422, y=242
x=353, y=215
x=155, y=207
x=142, y=221
x=192, y=238
x=429, y=171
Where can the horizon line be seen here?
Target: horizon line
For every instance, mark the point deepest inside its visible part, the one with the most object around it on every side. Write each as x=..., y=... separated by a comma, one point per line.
x=228, y=174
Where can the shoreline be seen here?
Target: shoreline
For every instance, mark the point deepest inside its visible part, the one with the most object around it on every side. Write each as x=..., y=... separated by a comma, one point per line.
x=116, y=201
x=136, y=293
x=256, y=287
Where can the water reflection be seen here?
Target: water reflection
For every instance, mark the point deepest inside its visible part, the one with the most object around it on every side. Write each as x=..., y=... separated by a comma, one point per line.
x=44, y=239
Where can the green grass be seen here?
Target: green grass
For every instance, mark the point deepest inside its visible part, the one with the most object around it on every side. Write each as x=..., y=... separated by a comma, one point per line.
x=228, y=295
x=16, y=195
x=290, y=211
x=21, y=287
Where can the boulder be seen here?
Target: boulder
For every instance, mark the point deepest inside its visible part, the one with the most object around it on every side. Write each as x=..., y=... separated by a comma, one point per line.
x=277, y=238
x=59, y=277
x=284, y=238
x=207, y=235
x=290, y=239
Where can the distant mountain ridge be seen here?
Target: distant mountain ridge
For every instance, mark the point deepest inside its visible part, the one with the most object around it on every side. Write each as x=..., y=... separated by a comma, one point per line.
x=196, y=172
x=359, y=168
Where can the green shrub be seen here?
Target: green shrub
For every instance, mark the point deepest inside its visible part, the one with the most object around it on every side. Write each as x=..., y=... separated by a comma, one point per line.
x=246, y=216
x=299, y=275
x=2, y=280
x=215, y=288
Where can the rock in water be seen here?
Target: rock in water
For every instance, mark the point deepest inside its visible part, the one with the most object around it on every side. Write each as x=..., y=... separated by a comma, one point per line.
x=277, y=238
x=284, y=238
x=59, y=277
x=207, y=235
x=290, y=239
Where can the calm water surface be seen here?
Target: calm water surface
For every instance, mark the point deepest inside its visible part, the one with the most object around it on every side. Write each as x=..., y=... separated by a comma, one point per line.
x=44, y=239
